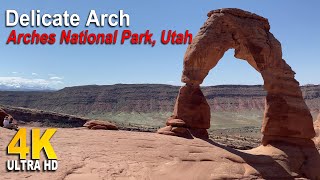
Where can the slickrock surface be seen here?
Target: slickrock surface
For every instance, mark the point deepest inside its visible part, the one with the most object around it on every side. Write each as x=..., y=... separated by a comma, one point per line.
x=100, y=154
x=286, y=114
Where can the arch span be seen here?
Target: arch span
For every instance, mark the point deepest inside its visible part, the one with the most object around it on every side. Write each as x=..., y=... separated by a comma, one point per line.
x=286, y=114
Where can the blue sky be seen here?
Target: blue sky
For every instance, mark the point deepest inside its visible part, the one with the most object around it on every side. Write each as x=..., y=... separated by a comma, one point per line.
x=295, y=23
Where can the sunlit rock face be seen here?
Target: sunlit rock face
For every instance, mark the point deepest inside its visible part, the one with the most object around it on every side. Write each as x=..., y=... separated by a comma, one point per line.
x=317, y=129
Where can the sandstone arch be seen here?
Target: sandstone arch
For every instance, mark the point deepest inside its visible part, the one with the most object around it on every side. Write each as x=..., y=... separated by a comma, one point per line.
x=286, y=114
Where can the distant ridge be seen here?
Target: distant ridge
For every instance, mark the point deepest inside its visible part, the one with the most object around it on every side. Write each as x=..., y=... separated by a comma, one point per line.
x=83, y=100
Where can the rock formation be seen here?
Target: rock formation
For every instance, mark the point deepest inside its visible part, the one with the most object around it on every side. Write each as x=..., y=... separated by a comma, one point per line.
x=44, y=118
x=317, y=129
x=98, y=124
x=317, y=125
x=286, y=114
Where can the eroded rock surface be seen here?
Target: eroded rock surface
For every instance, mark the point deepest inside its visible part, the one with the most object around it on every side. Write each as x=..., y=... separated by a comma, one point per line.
x=87, y=154
x=286, y=114
x=317, y=129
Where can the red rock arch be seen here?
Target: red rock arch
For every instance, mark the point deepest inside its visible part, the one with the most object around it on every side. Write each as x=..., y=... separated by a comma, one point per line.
x=286, y=114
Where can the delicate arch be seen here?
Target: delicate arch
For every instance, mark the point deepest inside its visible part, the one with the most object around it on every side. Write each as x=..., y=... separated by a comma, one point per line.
x=286, y=114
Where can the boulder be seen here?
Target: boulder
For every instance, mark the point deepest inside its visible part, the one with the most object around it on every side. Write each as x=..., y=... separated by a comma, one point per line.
x=98, y=124
x=286, y=114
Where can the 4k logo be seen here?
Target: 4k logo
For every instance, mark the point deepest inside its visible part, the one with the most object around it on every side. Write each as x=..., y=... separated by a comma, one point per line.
x=18, y=146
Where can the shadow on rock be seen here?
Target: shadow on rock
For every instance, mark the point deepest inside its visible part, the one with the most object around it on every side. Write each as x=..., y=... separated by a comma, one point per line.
x=278, y=160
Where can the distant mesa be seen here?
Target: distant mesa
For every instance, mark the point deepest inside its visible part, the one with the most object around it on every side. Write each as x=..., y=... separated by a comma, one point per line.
x=147, y=98
x=286, y=113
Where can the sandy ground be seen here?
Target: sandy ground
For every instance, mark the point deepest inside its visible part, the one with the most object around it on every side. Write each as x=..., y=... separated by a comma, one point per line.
x=100, y=154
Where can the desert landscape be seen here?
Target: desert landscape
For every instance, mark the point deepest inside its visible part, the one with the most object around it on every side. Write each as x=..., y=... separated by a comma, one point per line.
x=154, y=131
x=236, y=110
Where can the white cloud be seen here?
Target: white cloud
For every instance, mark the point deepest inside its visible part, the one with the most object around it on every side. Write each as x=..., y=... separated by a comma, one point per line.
x=29, y=83
x=34, y=74
x=14, y=72
x=56, y=78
